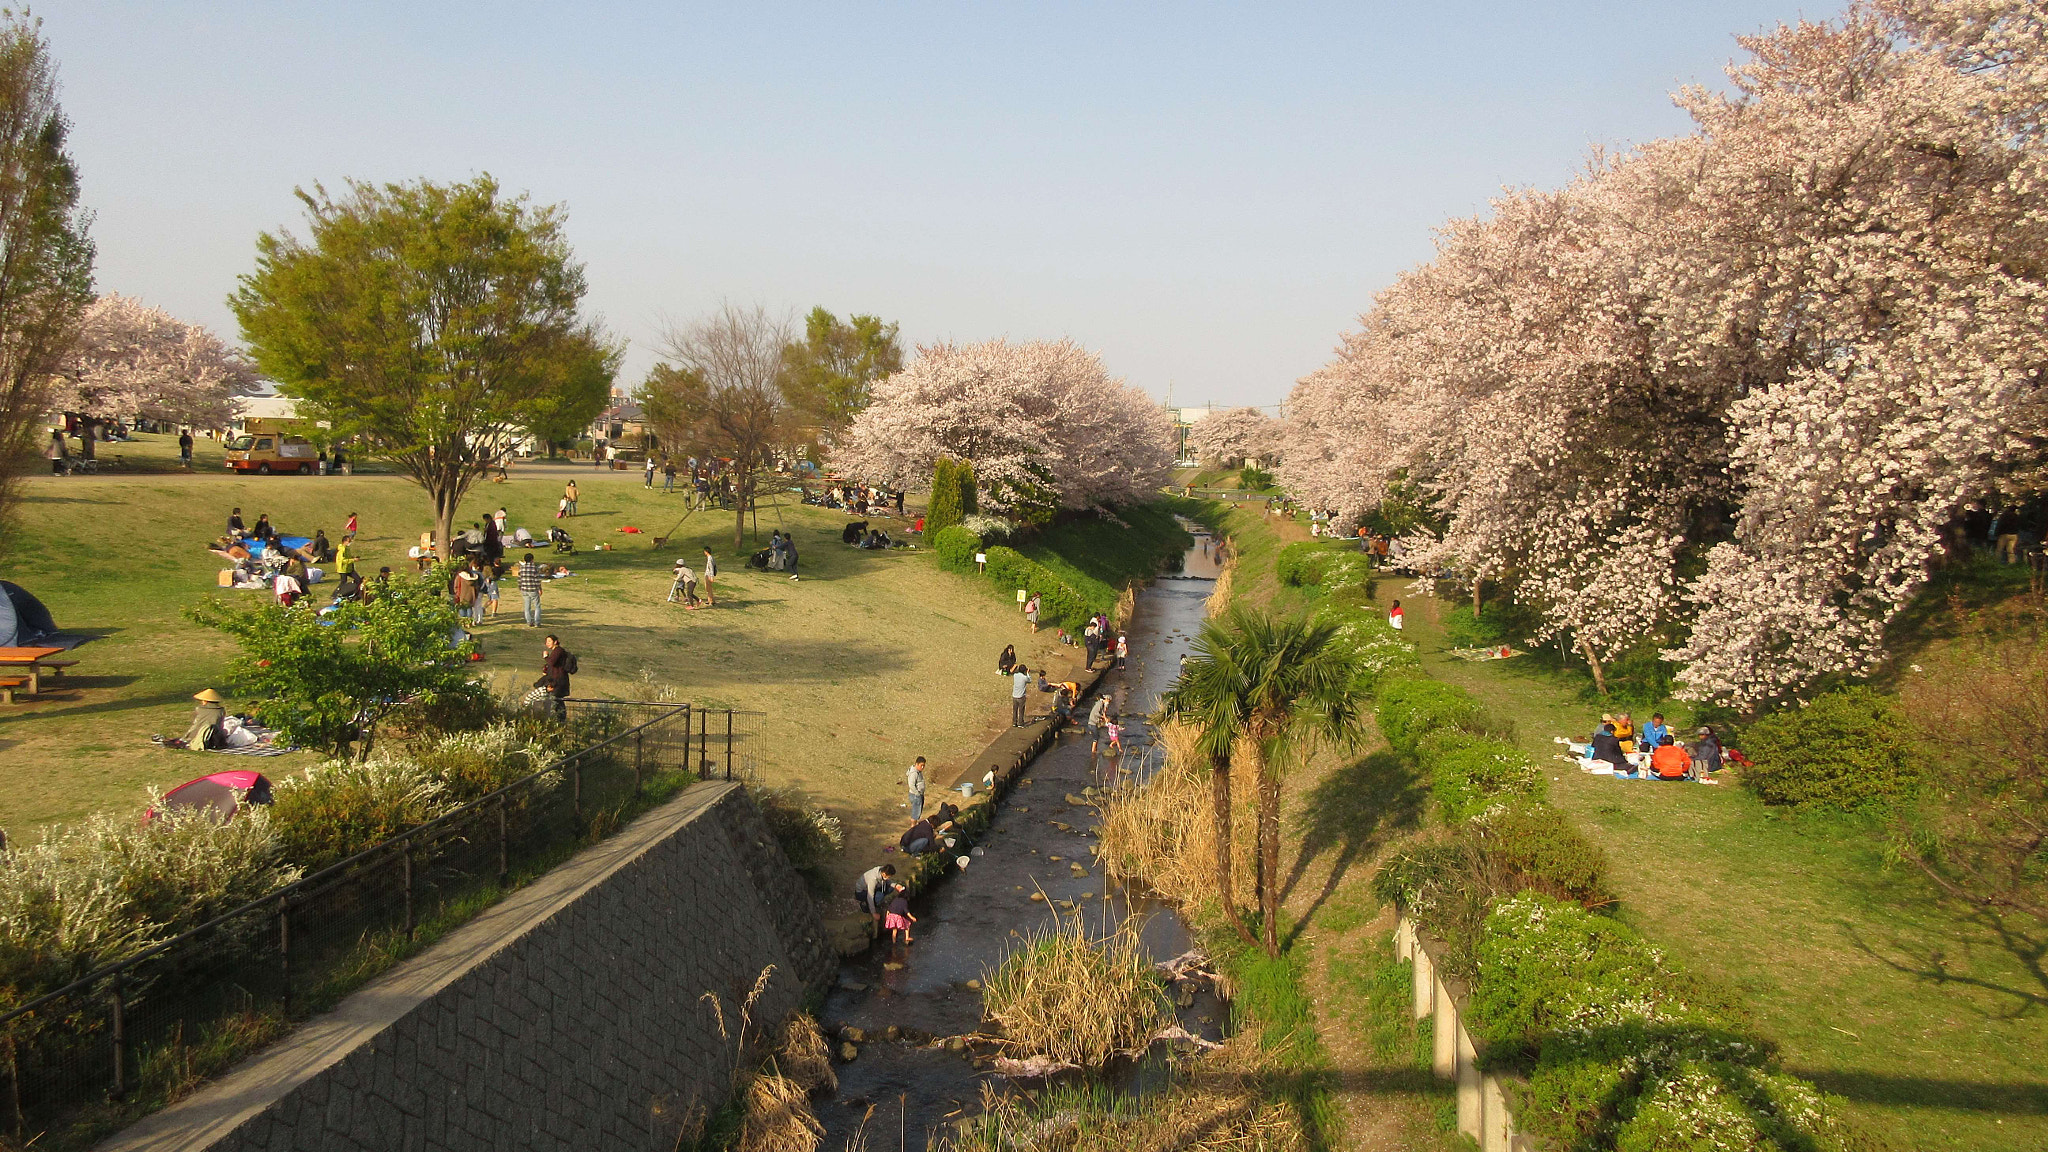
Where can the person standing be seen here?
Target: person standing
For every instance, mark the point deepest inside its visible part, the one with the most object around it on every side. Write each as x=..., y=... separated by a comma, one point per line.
x=569, y=497
x=556, y=666
x=529, y=589
x=57, y=452
x=914, y=789
x=1097, y=717
x=668, y=477
x=647, y=473
x=1091, y=638
x=345, y=557
x=789, y=554
x=462, y=589
x=185, y=448
x=1123, y=650
x=487, y=591
x=350, y=528
x=1031, y=613
x=1020, y=683
x=1395, y=616
x=710, y=575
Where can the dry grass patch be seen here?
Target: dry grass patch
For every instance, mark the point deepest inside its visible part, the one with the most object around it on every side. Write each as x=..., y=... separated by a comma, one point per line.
x=1160, y=833
x=1075, y=1000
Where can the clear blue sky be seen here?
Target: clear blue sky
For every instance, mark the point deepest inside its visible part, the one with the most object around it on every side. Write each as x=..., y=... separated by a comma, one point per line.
x=1207, y=195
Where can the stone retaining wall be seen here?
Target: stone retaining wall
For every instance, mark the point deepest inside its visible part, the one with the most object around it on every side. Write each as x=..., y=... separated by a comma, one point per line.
x=1483, y=1111
x=570, y=1015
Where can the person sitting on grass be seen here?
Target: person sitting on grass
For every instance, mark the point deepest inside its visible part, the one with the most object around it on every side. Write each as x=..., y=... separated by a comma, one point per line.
x=1008, y=660
x=1654, y=732
x=1606, y=749
x=1706, y=754
x=1670, y=762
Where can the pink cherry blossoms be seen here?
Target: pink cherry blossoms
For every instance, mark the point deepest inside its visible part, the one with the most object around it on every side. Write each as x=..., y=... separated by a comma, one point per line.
x=133, y=360
x=1044, y=423
x=1233, y=435
x=1727, y=393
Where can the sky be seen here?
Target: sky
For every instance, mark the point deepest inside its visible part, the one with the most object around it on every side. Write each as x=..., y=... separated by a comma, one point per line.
x=1206, y=195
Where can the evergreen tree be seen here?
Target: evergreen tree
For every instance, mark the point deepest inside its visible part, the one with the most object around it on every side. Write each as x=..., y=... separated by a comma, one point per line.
x=945, y=509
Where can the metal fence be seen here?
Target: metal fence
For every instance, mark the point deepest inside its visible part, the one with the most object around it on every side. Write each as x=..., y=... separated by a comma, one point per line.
x=130, y=1035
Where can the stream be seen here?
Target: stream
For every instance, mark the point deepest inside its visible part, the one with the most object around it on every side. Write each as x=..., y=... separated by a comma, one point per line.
x=912, y=1079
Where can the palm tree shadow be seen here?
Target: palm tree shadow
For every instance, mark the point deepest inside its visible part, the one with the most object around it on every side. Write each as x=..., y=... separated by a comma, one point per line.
x=1355, y=811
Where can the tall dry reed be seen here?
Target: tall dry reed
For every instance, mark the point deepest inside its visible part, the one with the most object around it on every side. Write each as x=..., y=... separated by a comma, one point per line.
x=1219, y=596
x=1079, y=1001
x=1162, y=832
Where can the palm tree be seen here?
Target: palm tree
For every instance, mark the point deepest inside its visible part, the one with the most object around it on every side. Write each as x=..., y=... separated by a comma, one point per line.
x=1276, y=682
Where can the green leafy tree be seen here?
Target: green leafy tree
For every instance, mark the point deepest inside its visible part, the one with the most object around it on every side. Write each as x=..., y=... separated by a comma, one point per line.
x=833, y=369
x=325, y=681
x=1276, y=684
x=436, y=323
x=45, y=255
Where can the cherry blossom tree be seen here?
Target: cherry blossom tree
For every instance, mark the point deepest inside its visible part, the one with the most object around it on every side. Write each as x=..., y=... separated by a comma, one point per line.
x=1043, y=422
x=1235, y=435
x=1727, y=393
x=132, y=360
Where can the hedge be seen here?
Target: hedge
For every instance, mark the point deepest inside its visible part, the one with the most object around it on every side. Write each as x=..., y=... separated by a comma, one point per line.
x=1622, y=1051
x=1469, y=774
x=1410, y=708
x=1379, y=653
x=1058, y=603
x=1307, y=561
x=956, y=547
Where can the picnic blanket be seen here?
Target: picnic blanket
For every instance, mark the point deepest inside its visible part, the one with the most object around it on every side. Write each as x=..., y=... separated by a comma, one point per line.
x=255, y=750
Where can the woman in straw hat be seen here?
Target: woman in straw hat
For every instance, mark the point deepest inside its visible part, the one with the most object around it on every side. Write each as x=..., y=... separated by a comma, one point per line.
x=206, y=720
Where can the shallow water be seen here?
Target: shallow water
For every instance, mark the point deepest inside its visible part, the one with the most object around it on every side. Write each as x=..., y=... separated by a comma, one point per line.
x=966, y=924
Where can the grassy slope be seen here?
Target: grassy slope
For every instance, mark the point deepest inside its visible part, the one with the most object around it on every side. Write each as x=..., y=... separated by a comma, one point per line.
x=1874, y=992
x=1338, y=972
x=848, y=663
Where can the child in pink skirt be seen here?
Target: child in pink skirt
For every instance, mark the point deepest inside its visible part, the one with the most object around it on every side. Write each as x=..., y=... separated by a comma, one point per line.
x=899, y=920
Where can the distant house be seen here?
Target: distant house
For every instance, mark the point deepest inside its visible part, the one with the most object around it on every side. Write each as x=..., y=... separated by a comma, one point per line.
x=622, y=424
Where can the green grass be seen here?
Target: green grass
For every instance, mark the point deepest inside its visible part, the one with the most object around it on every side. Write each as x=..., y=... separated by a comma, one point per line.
x=1098, y=558
x=1928, y=1023
x=846, y=665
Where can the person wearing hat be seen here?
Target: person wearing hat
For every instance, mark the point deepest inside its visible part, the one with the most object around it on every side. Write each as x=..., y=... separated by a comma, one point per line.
x=1706, y=755
x=206, y=720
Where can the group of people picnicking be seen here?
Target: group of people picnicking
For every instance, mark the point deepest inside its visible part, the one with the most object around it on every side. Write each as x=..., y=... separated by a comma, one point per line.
x=1653, y=752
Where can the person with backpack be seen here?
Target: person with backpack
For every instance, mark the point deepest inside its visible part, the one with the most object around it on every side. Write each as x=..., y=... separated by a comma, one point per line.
x=462, y=589
x=556, y=666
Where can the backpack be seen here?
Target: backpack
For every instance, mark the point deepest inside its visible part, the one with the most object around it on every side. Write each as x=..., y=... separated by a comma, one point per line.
x=571, y=665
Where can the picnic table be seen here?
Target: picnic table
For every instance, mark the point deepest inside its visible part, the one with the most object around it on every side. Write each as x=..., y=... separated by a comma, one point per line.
x=34, y=662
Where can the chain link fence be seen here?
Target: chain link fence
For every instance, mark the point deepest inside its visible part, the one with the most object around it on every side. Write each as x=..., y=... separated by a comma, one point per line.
x=124, y=1039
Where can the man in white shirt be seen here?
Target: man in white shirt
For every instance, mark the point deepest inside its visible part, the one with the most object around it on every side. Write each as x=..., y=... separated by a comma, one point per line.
x=914, y=782
x=1020, y=683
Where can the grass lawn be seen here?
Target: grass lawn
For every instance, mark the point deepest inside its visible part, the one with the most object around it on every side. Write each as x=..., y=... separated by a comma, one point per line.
x=1929, y=1024
x=868, y=661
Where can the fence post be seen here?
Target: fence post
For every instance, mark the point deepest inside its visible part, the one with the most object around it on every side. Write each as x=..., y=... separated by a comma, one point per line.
x=504, y=846
x=639, y=758
x=284, y=947
x=728, y=743
x=120, y=1039
x=703, y=743
x=576, y=781
x=405, y=854
x=687, y=709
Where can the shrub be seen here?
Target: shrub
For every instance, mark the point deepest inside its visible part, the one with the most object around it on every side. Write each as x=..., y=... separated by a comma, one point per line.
x=109, y=887
x=956, y=547
x=473, y=764
x=1469, y=774
x=1307, y=561
x=808, y=834
x=336, y=810
x=1377, y=651
x=1846, y=750
x=1535, y=847
x=1410, y=708
x=991, y=529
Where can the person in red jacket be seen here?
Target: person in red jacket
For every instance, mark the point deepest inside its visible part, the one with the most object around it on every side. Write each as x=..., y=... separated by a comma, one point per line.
x=1670, y=762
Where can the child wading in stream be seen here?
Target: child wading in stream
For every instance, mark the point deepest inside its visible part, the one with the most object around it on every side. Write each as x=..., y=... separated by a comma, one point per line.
x=899, y=920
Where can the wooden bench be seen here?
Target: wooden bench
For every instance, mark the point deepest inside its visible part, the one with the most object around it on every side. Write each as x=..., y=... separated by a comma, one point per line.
x=8, y=685
x=57, y=666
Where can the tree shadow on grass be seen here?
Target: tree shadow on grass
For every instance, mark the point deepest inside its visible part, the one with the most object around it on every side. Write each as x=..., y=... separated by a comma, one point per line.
x=1355, y=811
x=1930, y=963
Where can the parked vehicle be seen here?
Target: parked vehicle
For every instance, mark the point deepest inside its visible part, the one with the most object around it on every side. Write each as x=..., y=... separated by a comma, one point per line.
x=266, y=446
